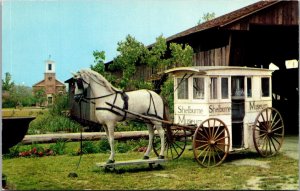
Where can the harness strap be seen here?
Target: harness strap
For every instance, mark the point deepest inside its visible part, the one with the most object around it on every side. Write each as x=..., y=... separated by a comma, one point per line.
x=125, y=99
x=151, y=101
x=91, y=98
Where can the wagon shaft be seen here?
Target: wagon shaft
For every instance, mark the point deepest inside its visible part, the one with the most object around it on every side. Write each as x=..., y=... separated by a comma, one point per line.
x=145, y=117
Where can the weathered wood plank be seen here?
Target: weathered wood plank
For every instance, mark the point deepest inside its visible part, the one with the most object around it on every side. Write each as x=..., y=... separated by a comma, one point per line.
x=132, y=162
x=51, y=138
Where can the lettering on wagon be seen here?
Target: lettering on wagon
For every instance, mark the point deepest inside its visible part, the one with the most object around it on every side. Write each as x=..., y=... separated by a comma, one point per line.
x=257, y=107
x=219, y=109
x=182, y=119
x=188, y=110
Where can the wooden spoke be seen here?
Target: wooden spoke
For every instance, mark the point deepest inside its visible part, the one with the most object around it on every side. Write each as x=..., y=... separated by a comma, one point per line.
x=268, y=134
x=212, y=148
x=201, y=146
x=221, y=138
x=273, y=130
x=175, y=144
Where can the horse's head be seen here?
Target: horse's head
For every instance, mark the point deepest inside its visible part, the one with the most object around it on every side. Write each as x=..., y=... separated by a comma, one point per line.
x=80, y=86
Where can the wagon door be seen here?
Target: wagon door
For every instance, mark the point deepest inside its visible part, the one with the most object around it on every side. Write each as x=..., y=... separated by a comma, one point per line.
x=238, y=110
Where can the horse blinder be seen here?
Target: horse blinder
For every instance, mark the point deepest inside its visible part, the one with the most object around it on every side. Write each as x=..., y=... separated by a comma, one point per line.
x=78, y=97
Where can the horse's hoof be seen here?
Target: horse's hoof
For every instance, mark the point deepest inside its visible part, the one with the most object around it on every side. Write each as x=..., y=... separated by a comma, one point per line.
x=110, y=161
x=161, y=157
x=146, y=157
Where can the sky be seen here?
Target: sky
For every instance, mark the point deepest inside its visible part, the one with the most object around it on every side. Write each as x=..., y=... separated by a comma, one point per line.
x=70, y=30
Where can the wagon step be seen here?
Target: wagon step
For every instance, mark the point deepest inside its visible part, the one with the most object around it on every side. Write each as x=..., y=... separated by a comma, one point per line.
x=151, y=161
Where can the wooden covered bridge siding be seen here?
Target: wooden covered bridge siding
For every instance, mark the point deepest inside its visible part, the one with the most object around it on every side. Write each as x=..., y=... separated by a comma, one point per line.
x=256, y=35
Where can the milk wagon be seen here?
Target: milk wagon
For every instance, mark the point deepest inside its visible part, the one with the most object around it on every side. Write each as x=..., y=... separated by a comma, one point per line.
x=224, y=109
x=231, y=108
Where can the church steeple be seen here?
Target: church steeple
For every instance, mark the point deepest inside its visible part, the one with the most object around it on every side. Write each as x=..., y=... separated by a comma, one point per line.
x=50, y=84
x=49, y=66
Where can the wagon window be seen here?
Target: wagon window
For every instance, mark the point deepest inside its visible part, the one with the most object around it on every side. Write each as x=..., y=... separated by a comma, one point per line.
x=198, y=88
x=214, y=88
x=249, y=87
x=182, y=91
x=237, y=86
x=224, y=84
x=265, y=87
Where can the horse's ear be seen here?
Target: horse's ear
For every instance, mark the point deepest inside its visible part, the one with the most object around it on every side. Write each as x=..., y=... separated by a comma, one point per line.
x=74, y=74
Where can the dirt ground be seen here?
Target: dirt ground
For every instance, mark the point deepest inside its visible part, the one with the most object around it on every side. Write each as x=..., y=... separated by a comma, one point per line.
x=289, y=148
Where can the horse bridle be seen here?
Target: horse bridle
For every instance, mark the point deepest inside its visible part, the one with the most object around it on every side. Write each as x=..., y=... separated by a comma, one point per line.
x=82, y=96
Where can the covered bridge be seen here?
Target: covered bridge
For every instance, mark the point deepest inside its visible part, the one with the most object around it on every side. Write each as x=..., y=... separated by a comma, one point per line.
x=255, y=36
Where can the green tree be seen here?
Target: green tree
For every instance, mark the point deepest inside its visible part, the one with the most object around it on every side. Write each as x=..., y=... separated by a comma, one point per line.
x=40, y=96
x=99, y=62
x=131, y=53
x=181, y=55
x=60, y=104
x=99, y=66
x=156, y=55
x=7, y=84
x=20, y=95
x=206, y=17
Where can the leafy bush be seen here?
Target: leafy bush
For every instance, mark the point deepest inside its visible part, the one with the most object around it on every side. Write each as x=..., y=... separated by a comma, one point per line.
x=33, y=150
x=167, y=92
x=131, y=126
x=62, y=147
x=122, y=147
x=59, y=147
x=60, y=104
x=52, y=123
x=89, y=147
x=103, y=146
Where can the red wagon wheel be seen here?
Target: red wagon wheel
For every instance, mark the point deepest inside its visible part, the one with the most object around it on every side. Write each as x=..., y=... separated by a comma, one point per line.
x=211, y=142
x=175, y=142
x=268, y=132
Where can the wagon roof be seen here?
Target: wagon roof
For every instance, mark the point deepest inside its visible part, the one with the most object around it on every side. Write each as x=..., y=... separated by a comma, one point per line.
x=221, y=70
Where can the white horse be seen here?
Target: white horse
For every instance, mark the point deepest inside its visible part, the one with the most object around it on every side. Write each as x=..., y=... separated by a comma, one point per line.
x=141, y=101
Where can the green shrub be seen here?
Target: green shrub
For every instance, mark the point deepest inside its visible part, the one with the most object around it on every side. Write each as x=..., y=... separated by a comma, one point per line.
x=89, y=147
x=59, y=147
x=167, y=92
x=131, y=126
x=52, y=123
x=13, y=151
x=122, y=147
x=103, y=146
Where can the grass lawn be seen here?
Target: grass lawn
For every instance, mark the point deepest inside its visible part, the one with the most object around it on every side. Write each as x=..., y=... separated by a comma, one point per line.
x=21, y=112
x=184, y=173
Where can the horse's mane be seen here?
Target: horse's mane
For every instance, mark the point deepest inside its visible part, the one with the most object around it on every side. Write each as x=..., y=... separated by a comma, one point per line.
x=99, y=79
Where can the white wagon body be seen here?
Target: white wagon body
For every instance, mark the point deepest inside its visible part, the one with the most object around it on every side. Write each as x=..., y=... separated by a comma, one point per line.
x=234, y=95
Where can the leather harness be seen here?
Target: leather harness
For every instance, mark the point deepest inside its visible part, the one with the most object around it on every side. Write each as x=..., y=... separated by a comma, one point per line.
x=125, y=99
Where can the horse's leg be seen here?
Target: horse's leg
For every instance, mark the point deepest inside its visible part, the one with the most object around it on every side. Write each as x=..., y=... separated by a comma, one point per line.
x=150, y=143
x=161, y=133
x=111, y=139
x=106, y=131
